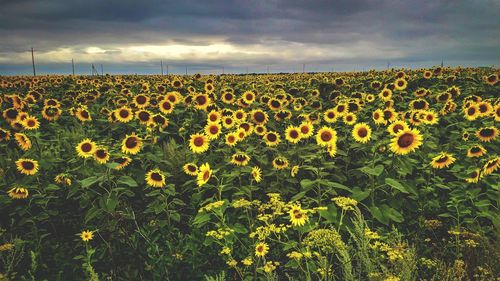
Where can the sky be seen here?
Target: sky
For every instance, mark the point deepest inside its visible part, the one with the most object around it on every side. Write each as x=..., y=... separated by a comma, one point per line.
x=215, y=36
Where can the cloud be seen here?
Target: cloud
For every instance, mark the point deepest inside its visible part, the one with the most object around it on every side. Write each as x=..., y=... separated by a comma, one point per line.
x=233, y=33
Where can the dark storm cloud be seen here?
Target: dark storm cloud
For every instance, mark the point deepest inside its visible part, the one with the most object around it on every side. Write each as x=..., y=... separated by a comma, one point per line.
x=288, y=31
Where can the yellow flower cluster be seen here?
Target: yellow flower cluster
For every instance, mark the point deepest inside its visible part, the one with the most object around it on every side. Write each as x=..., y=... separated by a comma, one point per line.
x=327, y=240
x=371, y=234
x=6, y=247
x=220, y=233
x=270, y=266
x=262, y=232
x=347, y=204
x=211, y=206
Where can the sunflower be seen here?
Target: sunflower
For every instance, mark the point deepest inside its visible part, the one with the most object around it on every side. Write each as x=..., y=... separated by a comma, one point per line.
x=122, y=162
x=228, y=97
x=485, y=108
x=51, y=113
x=491, y=79
x=160, y=120
x=259, y=117
x=400, y=84
x=474, y=176
x=476, y=151
x=326, y=136
x=83, y=114
x=231, y=139
x=101, y=155
x=378, y=117
x=86, y=148
x=397, y=126
x=198, y=143
x=249, y=97
x=204, y=174
x=274, y=104
x=471, y=112
x=190, y=169
x=141, y=101
x=18, y=193
x=87, y=235
x=427, y=74
x=145, y=117
x=261, y=249
x=214, y=116
x=491, y=166
x=240, y=159
x=487, y=134
x=419, y=104
x=27, y=166
x=201, y=101
x=330, y=116
x=123, y=114
x=443, y=160
x=340, y=109
x=10, y=114
x=280, y=163
x=155, y=178
x=22, y=141
x=292, y=134
x=257, y=174
x=430, y=117
x=294, y=171
x=406, y=141
x=213, y=130
x=361, y=132
x=30, y=123
x=63, y=179
x=131, y=144
x=166, y=106
x=306, y=130
x=298, y=217
x=272, y=138
x=174, y=97
x=385, y=94
x=228, y=122
x=349, y=118
x=176, y=83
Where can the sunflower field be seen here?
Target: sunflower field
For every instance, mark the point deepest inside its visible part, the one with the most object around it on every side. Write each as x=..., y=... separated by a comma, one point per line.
x=378, y=175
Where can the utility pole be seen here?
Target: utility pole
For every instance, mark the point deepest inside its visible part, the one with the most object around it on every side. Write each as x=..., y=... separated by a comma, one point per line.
x=167, y=69
x=161, y=64
x=73, y=66
x=442, y=63
x=186, y=70
x=33, y=61
x=102, y=70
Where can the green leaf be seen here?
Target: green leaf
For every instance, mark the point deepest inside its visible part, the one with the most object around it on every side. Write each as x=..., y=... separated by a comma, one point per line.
x=359, y=194
x=375, y=171
x=396, y=184
x=92, y=213
x=391, y=213
x=52, y=187
x=127, y=180
x=89, y=181
x=307, y=183
x=201, y=219
x=378, y=215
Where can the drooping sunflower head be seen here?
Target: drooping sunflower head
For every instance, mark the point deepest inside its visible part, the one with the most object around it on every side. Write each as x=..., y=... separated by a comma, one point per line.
x=86, y=148
x=18, y=193
x=131, y=144
x=83, y=114
x=491, y=166
x=51, y=113
x=474, y=176
x=190, y=169
x=27, y=166
x=122, y=162
x=155, y=178
x=442, y=160
x=257, y=174
x=204, y=174
x=280, y=163
x=487, y=134
x=406, y=141
x=476, y=151
x=240, y=159
x=22, y=141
